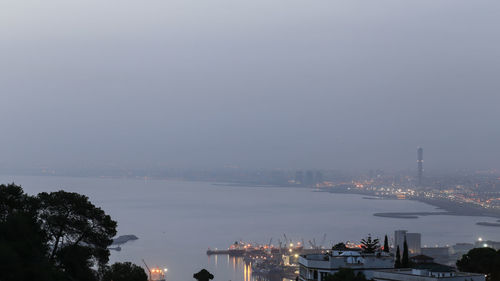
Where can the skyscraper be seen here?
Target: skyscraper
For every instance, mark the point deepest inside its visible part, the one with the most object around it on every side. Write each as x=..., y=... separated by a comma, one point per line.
x=309, y=179
x=420, y=165
x=413, y=240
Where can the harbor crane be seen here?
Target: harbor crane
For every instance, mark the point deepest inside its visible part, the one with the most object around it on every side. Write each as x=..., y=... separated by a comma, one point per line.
x=313, y=245
x=149, y=270
x=322, y=241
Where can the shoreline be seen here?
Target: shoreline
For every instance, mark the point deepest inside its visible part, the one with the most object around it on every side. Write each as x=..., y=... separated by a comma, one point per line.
x=447, y=208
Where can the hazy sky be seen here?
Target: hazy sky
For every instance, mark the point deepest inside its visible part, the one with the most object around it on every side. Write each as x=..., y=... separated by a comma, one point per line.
x=256, y=83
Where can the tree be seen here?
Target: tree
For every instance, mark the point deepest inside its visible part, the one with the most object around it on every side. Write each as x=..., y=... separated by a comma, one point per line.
x=13, y=200
x=124, y=272
x=73, y=223
x=23, y=243
x=339, y=247
x=53, y=236
x=481, y=260
x=75, y=260
x=386, y=244
x=397, y=262
x=345, y=274
x=203, y=275
x=405, y=261
x=369, y=245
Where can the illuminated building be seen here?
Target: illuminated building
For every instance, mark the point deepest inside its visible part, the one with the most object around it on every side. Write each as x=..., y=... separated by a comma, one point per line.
x=420, y=165
x=435, y=272
x=316, y=267
x=413, y=240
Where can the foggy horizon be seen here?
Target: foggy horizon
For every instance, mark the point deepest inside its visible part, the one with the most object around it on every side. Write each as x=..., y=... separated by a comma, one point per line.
x=281, y=84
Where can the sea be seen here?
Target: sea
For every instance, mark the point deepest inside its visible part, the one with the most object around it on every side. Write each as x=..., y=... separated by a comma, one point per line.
x=177, y=221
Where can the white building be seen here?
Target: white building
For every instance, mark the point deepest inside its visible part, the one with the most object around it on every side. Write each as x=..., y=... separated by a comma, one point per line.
x=316, y=267
x=437, y=273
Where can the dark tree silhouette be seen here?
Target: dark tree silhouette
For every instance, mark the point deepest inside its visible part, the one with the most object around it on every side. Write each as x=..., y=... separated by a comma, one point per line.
x=339, y=247
x=345, y=274
x=53, y=236
x=72, y=218
x=23, y=244
x=203, y=275
x=369, y=245
x=405, y=261
x=386, y=244
x=481, y=260
x=397, y=262
x=124, y=272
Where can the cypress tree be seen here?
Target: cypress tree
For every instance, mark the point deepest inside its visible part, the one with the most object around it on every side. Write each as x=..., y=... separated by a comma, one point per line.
x=405, y=262
x=386, y=244
x=397, y=263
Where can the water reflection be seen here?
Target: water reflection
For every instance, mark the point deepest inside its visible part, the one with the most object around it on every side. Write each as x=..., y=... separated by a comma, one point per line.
x=240, y=268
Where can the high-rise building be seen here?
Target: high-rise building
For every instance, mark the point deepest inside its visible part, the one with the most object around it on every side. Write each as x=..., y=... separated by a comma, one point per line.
x=299, y=177
x=413, y=240
x=318, y=177
x=309, y=179
x=420, y=165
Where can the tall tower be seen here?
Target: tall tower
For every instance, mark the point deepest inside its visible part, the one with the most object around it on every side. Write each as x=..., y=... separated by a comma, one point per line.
x=420, y=165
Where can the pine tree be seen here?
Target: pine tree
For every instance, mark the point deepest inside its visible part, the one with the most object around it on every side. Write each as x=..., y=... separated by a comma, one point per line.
x=405, y=262
x=397, y=263
x=369, y=245
x=386, y=244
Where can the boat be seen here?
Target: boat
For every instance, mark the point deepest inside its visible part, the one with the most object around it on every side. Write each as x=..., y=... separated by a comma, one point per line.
x=156, y=273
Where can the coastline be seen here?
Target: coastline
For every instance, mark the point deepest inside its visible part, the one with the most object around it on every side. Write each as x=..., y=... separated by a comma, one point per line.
x=448, y=208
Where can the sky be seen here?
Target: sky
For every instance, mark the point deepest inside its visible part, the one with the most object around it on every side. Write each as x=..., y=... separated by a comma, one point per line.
x=257, y=84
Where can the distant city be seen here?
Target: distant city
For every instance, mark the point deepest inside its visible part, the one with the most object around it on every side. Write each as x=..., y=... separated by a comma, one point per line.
x=460, y=192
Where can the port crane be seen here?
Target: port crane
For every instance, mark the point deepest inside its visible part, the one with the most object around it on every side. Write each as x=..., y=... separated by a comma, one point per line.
x=321, y=245
x=149, y=270
x=286, y=239
x=310, y=243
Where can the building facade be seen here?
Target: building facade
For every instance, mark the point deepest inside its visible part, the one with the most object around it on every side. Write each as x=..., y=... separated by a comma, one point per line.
x=425, y=275
x=413, y=240
x=316, y=267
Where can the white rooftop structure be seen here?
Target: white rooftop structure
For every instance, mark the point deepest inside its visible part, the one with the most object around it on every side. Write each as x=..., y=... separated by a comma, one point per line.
x=408, y=274
x=317, y=266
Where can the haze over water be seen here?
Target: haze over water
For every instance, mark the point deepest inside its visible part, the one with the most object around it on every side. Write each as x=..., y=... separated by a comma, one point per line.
x=177, y=221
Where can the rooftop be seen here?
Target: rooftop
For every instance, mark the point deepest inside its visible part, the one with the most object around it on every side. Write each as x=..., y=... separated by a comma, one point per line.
x=434, y=267
x=409, y=271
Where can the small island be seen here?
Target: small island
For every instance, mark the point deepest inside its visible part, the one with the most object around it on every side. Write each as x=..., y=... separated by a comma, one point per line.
x=493, y=224
x=409, y=215
x=120, y=240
